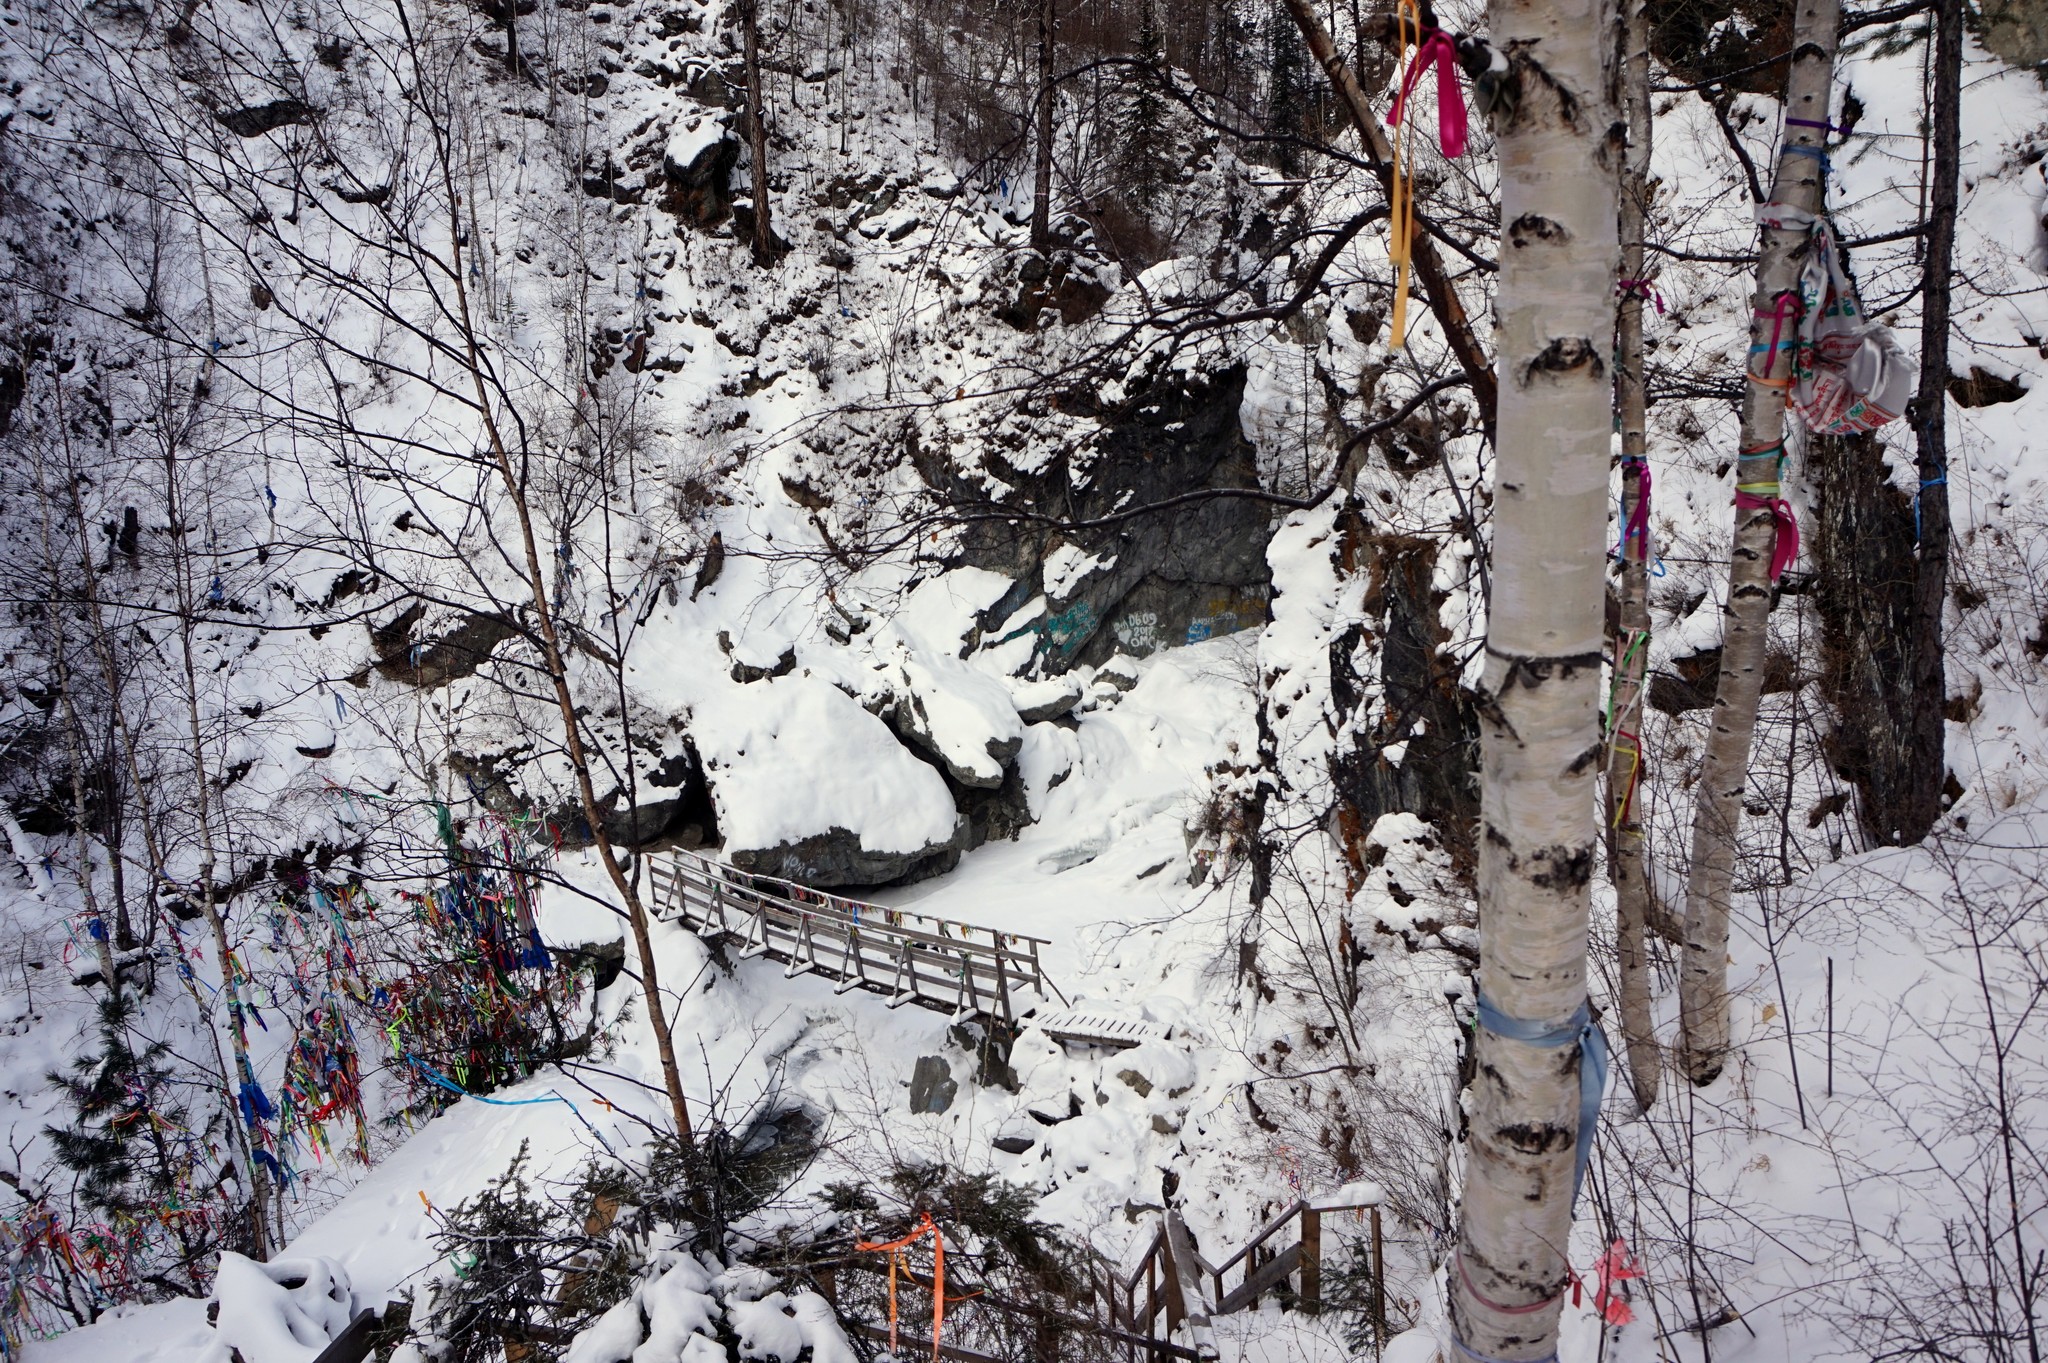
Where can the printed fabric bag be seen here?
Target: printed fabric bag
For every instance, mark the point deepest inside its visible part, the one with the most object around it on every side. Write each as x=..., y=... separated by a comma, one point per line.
x=1849, y=373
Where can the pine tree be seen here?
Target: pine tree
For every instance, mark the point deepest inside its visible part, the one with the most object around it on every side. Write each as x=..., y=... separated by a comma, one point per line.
x=1148, y=146
x=1287, y=90
x=131, y=1143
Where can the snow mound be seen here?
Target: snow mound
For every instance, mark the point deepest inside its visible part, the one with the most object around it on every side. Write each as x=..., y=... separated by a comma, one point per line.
x=285, y=1311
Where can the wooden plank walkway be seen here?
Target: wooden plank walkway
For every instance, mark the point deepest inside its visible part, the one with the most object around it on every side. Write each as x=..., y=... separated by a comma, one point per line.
x=960, y=969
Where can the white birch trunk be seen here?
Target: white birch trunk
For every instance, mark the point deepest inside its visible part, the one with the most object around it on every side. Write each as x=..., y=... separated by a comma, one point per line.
x=1560, y=150
x=1724, y=775
x=1627, y=783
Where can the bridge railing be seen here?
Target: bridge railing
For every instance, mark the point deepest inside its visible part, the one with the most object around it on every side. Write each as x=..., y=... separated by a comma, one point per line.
x=942, y=964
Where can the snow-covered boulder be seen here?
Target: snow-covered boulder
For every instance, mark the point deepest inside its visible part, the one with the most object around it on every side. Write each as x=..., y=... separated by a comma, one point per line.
x=810, y=786
x=962, y=717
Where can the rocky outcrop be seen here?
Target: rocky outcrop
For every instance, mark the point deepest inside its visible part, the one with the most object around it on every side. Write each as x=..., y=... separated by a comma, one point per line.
x=1421, y=754
x=1153, y=581
x=835, y=859
x=425, y=659
x=697, y=166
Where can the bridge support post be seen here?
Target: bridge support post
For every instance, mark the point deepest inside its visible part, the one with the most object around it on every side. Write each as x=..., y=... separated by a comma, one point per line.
x=1311, y=1298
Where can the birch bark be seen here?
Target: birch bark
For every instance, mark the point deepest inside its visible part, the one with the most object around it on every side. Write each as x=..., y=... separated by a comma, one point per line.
x=1799, y=182
x=1560, y=151
x=1626, y=787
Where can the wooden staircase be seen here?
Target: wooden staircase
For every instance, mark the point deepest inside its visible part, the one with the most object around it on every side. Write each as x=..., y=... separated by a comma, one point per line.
x=1164, y=1304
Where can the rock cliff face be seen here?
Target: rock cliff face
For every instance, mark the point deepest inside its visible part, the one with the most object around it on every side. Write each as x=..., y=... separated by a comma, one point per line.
x=1113, y=582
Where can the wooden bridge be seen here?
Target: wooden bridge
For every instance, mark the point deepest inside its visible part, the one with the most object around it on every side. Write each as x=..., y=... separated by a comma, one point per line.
x=960, y=969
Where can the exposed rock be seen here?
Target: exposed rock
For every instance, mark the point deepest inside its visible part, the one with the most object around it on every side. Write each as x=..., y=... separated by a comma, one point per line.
x=258, y=119
x=1981, y=387
x=2015, y=30
x=910, y=718
x=1047, y=1115
x=1428, y=717
x=1064, y=284
x=1053, y=698
x=455, y=651
x=835, y=859
x=996, y=814
x=744, y=671
x=1171, y=578
x=1691, y=682
x=1014, y=1145
x=1120, y=672
x=697, y=169
x=932, y=1086
x=674, y=806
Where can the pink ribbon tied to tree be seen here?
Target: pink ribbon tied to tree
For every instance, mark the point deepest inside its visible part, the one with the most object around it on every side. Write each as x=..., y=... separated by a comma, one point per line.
x=1436, y=46
x=1786, y=550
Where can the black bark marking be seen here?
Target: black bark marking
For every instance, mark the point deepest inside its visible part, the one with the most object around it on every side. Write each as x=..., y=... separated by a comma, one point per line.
x=1515, y=1282
x=1564, y=355
x=1534, y=227
x=1561, y=868
x=1586, y=759
x=1537, y=1138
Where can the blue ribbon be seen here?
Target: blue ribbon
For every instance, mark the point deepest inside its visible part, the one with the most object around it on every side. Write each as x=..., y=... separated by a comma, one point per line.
x=1579, y=1030
x=441, y=1080
x=1942, y=481
x=1478, y=1357
x=256, y=1105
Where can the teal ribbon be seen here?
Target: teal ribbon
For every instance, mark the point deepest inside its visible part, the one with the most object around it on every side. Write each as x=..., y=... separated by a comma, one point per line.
x=1579, y=1030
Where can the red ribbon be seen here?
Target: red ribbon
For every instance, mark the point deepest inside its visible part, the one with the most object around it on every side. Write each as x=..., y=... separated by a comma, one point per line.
x=1450, y=100
x=1787, y=547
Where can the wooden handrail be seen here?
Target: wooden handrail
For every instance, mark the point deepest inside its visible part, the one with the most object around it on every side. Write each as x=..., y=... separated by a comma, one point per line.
x=726, y=874
x=961, y=968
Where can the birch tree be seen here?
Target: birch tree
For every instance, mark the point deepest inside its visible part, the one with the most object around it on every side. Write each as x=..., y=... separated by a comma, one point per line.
x=1538, y=1057
x=1799, y=183
x=1626, y=785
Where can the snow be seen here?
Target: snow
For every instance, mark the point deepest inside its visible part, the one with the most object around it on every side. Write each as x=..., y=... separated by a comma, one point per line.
x=793, y=756
x=696, y=135
x=1136, y=923
x=262, y=1317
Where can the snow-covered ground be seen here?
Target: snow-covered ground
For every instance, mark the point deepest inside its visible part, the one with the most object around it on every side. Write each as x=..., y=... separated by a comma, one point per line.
x=1838, y=1217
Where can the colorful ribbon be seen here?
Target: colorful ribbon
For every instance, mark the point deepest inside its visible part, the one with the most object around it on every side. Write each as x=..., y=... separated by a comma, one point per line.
x=894, y=1249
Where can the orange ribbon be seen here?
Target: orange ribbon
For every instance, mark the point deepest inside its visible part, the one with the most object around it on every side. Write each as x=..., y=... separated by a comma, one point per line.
x=894, y=1249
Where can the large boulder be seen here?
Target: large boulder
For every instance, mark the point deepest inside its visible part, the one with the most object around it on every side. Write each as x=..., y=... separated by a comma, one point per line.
x=811, y=787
